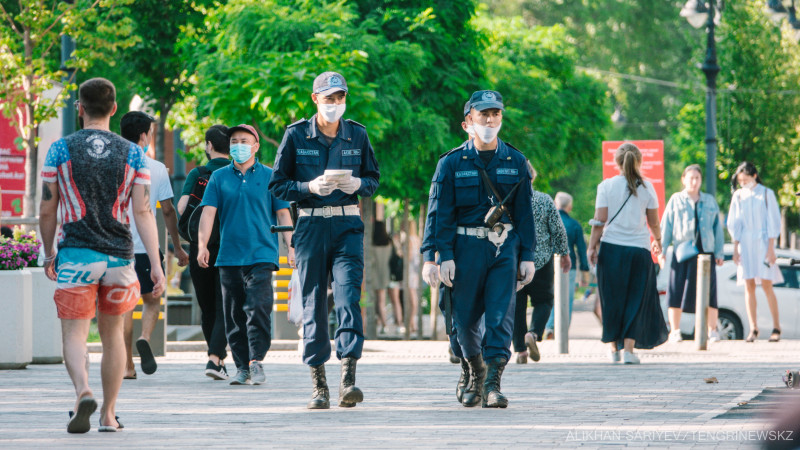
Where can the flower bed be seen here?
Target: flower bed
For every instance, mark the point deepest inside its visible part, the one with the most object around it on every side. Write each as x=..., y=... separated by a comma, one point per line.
x=20, y=251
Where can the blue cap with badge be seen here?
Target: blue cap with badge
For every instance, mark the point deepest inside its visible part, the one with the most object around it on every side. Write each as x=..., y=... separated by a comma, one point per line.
x=466, y=108
x=327, y=83
x=482, y=100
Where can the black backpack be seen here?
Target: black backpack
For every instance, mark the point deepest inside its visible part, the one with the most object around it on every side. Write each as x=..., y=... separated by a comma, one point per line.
x=189, y=222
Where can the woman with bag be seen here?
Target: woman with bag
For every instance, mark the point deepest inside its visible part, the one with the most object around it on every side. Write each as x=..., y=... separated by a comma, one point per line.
x=691, y=223
x=620, y=248
x=754, y=222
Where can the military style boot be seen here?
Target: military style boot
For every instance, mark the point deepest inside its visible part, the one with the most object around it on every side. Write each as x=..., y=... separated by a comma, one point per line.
x=473, y=395
x=463, y=381
x=349, y=394
x=320, y=396
x=494, y=398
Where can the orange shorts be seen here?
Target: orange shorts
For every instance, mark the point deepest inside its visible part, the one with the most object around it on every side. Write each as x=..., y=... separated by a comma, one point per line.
x=89, y=280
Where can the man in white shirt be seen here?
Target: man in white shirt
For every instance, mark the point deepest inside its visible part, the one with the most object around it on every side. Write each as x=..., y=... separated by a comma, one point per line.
x=137, y=127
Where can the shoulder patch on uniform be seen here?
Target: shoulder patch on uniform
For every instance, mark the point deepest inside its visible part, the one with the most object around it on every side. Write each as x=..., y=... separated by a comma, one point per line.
x=355, y=123
x=299, y=122
x=466, y=173
x=507, y=171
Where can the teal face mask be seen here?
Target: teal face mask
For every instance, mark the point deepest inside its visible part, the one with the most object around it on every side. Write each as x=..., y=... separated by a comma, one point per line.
x=146, y=148
x=240, y=152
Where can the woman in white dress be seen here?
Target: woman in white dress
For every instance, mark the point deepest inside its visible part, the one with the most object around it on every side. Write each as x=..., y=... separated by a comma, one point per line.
x=754, y=222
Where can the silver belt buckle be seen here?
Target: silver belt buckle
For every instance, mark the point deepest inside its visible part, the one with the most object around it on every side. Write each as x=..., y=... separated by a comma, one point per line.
x=481, y=233
x=327, y=212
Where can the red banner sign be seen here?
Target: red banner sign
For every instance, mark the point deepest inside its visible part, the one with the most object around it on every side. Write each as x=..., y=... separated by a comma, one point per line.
x=12, y=170
x=652, y=165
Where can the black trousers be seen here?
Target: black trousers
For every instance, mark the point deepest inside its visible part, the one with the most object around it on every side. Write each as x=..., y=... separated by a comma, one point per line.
x=247, y=299
x=208, y=290
x=541, y=293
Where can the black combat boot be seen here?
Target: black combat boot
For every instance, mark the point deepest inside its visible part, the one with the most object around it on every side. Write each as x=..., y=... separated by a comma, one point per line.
x=494, y=398
x=463, y=381
x=474, y=393
x=320, y=396
x=349, y=394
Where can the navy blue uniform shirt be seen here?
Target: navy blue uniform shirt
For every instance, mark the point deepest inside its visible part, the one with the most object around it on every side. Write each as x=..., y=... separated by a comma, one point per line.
x=304, y=155
x=463, y=200
x=428, y=247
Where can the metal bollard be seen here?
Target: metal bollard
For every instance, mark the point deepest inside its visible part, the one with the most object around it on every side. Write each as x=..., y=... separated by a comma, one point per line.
x=561, y=305
x=704, y=269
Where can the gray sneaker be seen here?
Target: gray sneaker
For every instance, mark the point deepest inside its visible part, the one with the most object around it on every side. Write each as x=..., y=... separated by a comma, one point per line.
x=257, y=373
x=242, y=377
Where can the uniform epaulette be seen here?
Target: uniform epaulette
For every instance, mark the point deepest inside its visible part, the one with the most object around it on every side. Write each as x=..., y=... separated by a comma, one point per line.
x=299, y=122
x=355, y=123
x=460, y=147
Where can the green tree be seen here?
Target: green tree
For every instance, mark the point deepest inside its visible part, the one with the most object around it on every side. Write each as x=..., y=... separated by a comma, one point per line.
x=29, y=62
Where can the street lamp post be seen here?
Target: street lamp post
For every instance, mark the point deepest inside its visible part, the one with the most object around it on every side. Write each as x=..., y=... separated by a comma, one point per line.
x=699, y=14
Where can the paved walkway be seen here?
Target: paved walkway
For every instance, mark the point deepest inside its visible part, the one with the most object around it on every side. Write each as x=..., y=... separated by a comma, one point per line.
x=574, y=400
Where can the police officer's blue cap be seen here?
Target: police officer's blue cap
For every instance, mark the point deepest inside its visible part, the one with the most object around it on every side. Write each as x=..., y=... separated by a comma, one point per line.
x=327, y=83
x=466, y=109
x=482, y=100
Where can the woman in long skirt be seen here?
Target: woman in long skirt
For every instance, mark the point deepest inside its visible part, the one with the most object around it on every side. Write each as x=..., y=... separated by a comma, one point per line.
x=691, y=216
x=754, y=222
x=620, y=247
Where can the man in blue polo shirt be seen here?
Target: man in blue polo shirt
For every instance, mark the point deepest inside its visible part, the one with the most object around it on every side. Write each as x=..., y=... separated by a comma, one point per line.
x=248, y=252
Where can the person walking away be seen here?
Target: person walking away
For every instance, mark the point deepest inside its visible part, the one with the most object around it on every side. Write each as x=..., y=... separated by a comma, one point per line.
x=137, y=127
x=575, y=240
x=754, y=222
x=329, y=234
x=207, y=287
x=551, y=239
x=620, y=248
x=89, y=180
x=485, y=178
x=691, y=218
x=248, y=252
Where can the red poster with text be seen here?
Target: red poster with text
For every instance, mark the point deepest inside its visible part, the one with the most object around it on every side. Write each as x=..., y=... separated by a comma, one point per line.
x=652, y=165
x=12, y=170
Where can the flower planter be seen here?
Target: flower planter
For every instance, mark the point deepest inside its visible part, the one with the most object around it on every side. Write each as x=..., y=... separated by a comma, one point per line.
x=46, y=324
x=16, y=320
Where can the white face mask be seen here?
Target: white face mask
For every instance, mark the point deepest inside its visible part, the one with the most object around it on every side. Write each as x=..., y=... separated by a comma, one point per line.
x=486, y=134
x=470, y=130
x=750, y=185
x=330, y=112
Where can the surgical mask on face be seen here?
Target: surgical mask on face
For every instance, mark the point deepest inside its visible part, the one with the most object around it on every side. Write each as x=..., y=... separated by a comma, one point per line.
x=486, y=134
x=470, y=130
x=240, y=152
x=332, y=113
x=750, y=185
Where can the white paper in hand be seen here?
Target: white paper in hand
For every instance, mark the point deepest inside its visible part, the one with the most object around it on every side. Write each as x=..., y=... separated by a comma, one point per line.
x=337, y=175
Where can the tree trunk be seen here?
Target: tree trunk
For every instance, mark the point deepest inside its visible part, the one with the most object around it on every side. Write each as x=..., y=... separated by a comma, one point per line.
x=420, y=232
x=28, y=133
x=784, y=241
x=367, y=213
x=163, y=109
x=406, y=271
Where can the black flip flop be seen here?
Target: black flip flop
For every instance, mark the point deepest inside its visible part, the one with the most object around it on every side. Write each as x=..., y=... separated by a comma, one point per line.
x=79, y=421
x=148, y=361
x=110, y=428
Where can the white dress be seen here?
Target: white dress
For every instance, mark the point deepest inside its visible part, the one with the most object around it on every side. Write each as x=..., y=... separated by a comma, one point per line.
x=753, y=219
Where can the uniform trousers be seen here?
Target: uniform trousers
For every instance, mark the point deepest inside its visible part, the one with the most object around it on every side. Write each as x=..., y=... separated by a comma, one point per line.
x=334, y=247
x=484, y=284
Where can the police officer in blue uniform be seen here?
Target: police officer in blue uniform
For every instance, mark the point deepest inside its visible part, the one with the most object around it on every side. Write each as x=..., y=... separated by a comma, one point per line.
x=329, y=234
x=430, y=270
x=485, y=236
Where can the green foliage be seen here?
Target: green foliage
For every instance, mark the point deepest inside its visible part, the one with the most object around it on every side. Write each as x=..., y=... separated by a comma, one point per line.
x=555, y=115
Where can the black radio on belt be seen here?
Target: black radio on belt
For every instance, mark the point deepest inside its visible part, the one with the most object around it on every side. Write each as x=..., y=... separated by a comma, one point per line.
x=492, y=218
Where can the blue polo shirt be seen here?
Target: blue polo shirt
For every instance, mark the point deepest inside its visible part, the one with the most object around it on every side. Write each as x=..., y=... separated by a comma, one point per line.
x=246, y=209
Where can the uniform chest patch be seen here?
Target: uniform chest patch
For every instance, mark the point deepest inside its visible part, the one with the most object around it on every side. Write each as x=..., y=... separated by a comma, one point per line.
x=501, y=171
x=307, y=152
x=466, y=173
x=351, y=152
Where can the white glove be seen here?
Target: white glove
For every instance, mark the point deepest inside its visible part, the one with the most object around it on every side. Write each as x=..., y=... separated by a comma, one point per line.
x=430, y=273
x=350, y=186
x=526, y=269
x=321, y=187
x=447, y=272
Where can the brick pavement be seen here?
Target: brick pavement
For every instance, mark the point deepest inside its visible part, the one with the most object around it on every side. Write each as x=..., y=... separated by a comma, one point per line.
x=575, y=400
